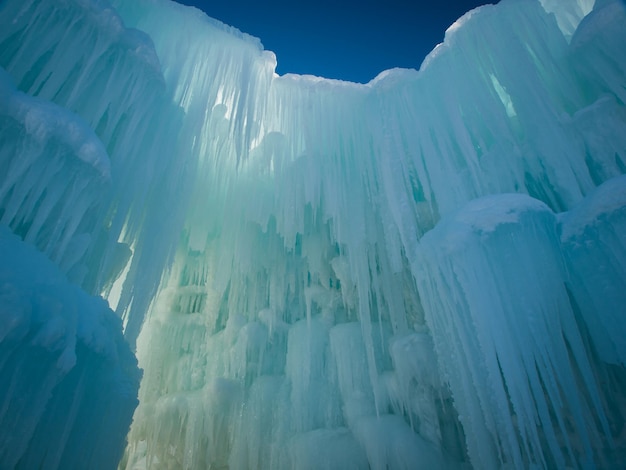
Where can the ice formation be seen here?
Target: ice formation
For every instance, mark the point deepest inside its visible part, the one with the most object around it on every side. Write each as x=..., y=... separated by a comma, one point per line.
x=427, y=271
x=68, y=380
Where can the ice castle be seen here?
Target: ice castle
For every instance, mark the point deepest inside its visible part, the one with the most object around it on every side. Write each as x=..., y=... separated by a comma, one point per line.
x=427, y=271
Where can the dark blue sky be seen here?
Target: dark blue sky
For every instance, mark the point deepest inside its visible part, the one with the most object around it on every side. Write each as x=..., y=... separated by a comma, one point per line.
x=344, y=39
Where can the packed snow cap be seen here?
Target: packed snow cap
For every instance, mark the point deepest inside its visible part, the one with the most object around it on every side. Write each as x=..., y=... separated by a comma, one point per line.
x=425, y=271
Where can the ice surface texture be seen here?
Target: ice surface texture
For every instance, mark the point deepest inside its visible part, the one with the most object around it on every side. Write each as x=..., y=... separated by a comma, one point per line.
x=68, y=380
x=426, y=271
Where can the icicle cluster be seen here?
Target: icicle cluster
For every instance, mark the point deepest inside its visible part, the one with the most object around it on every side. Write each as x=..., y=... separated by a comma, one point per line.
x=109, y=78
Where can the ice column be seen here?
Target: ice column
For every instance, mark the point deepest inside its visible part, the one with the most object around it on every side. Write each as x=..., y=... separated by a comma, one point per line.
x=491, y=278
x=594, y=243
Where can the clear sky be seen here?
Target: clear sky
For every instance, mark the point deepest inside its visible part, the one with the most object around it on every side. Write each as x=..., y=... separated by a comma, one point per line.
x=345, y=39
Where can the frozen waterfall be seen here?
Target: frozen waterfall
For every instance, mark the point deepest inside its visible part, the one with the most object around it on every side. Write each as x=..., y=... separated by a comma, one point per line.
x=426, y=271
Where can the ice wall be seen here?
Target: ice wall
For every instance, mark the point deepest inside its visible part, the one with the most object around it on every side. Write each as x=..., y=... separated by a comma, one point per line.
x=64, y=358
x=421, y=272
x=110, y=78
x=69, y=142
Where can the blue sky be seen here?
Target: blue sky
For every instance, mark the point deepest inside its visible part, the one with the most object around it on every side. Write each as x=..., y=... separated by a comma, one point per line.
x=344, y=39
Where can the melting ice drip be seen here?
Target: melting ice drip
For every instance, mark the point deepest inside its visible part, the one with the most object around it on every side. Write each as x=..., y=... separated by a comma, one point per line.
x=427, y=271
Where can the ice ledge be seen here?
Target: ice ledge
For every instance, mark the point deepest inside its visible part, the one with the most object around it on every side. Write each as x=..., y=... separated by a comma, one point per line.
x=58, y=312
x=605, y=201
x=479, y=217
x=43, y=120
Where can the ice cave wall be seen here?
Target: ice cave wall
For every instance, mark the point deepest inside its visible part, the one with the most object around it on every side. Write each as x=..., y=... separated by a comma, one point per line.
x=336, y=275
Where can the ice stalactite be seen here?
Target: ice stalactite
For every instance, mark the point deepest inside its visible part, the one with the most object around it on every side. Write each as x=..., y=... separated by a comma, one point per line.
x=54, y=172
